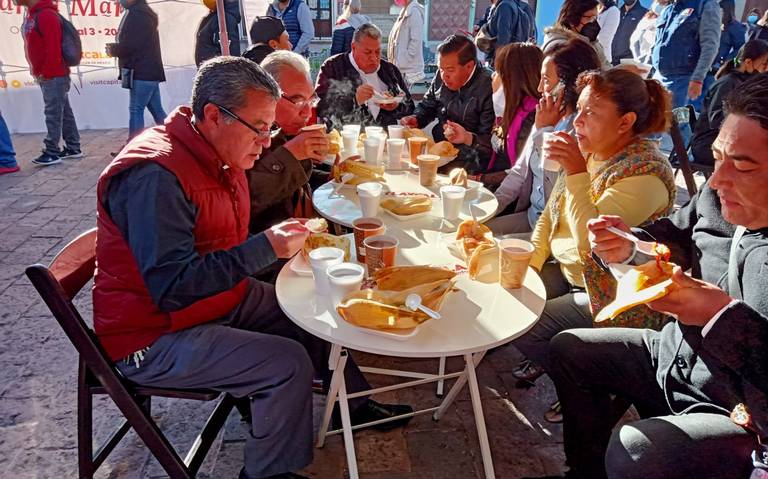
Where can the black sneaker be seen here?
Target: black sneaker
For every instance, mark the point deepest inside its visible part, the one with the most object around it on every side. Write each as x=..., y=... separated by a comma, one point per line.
x=373, y=411
x=46, y=159
x=70, y=154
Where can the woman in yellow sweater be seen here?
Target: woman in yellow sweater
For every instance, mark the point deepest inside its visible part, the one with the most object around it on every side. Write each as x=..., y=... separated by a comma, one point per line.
x=608, y=168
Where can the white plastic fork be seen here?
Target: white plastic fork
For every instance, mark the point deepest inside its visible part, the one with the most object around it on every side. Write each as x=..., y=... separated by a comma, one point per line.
x=645, y=247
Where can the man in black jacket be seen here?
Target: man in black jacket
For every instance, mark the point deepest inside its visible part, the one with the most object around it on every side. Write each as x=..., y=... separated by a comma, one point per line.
x=460, y=98
x=631, y=13
x=141, y=63
x=208, y=41
x=712, y=358
x=267, y=35
x=349, y=85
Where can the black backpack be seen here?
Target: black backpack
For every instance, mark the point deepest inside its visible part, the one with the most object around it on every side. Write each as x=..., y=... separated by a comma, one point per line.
x=71, y=46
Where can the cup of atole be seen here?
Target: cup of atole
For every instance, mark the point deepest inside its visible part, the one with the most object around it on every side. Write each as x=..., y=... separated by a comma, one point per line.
x=363, y=228
x=428, y=169
x=395, y=151
x=371, y=146
x=546, y=141
x=514, y=258
x=416, y=146
x=343, y=279
x=380, y=252
x=396, y=131
x=319, y=260
x=369, y=195
x=452, y=197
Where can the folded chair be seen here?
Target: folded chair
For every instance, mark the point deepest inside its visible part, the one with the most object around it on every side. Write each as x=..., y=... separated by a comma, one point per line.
x=57, y=284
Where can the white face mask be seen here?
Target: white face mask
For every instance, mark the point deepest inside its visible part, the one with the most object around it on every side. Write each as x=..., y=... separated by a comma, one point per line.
x=499, y=101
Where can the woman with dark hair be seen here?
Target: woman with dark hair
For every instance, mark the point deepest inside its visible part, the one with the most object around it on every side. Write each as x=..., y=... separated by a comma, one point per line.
x=609, y=167
x=751, y=59
x=577, y=19
x=526, y=187
x=608, y=19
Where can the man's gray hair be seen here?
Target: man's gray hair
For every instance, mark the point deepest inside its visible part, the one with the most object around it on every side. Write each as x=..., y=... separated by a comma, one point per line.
x=367, y=30
x=276, y=62
x=224, y=81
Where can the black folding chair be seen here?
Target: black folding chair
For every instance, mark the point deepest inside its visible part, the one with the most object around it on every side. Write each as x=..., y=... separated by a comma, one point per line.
x=57, y=284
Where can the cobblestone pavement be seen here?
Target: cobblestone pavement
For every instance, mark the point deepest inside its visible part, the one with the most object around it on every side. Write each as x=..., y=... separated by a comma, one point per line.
x=41, y=209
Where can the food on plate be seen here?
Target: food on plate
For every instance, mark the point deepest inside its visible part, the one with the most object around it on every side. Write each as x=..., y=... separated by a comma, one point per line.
x=321, y=240
x=443, y=148
x=641, y=284
x=334, y=142
x=362, y=172
x=416, y=132
x=316, y=225
x=475, y=239
x=384, y=309
x=662, y=253
x=407, y=206
x=458, y=177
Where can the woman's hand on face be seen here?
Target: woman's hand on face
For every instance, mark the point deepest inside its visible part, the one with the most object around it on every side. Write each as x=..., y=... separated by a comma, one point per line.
x=565, y=150
x=548, y=111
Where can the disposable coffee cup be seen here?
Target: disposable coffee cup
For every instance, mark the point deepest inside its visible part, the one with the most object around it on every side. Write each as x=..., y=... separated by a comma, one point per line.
x=351, y=128
x=371, y=131
x=547, y=163
x=319, y=260
x=363, y=228
x=416, y=146
x=349, y=138
x=316, y=127
x=427, y=169
x=514, y=258
x=452, y=197
x=369, y=195
x=343, y=279
x=396, y=131
x=395, y=151
x=382, y=143
x=371, y=146
x=380, y=252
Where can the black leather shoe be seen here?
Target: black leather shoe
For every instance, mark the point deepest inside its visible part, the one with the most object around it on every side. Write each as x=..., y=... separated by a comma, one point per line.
x=373, y=411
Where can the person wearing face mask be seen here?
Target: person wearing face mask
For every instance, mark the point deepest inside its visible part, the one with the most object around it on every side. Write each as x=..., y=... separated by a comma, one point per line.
x=630, y=14
x=525, y=188
x=751, y=59
x=752, y=17
x=732, y=37
x=759, y=31
x=687, y=42
x=141, y=63
x=406, y=40
x=608, y=19
x=577, y=19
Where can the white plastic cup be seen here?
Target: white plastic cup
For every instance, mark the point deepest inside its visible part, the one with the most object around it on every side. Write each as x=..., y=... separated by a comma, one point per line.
x=396, y=131
x=319, y=260
x=395, y=151
x=355, y=128
x=349, y=138
x=343, y=279
x=372, y=131
x=547, y=163
x=452, y=198
x=369, y=195
x=371, y=146
x=382, y=143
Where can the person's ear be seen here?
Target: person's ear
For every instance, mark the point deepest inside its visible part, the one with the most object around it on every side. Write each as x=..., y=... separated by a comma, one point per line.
x=213, y=116
x=273, y=44
x=627, y=121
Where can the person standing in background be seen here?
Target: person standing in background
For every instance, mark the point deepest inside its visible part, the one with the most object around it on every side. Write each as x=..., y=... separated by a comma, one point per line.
x=208, y=40
x=297, y=19
x=643, y=39
x=267, y=35
x=608, y=19
x=630, y=15
x=141, y=63
x=752, y=17
x=7, y=155
x=577, y=19
x=349, y=21
x=732, y=38
x=509, y=21
x=42, y=41
x=405, y=48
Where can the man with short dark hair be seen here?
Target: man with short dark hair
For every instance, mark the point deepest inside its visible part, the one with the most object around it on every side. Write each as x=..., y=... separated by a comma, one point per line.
x=267, y=35
x=630, y=15
x=351, y=85
x=460, y=98
x=711, y=358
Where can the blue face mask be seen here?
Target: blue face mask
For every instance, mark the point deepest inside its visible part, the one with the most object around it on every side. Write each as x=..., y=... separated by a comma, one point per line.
x=752, y=19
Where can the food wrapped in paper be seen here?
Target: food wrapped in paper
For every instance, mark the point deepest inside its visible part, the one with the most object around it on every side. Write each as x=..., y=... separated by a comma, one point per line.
x=362, y=172
x=320, y=240
x=334, y=142
x=385, y=309
x=458, y=177
x=408, y=205
x=475, y=238
x=444, y=149
x=641, y=284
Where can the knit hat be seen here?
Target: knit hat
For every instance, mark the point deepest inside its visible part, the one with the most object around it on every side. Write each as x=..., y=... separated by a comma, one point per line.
x=264, y=29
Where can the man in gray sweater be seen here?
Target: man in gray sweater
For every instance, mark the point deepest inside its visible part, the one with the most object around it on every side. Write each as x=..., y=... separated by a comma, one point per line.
x=708, y=361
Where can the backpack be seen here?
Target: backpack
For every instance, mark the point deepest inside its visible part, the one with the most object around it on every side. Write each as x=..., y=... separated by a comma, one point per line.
x=71, y=46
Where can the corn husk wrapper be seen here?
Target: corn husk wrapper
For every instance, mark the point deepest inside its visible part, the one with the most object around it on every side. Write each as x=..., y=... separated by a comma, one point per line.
x=632, y=289
x=320, y=240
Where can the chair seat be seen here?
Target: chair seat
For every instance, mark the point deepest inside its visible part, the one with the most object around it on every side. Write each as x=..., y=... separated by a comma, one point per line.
x=194, y=394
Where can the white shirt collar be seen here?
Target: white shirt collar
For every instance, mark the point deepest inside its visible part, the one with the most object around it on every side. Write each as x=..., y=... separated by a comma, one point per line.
x=361, y=72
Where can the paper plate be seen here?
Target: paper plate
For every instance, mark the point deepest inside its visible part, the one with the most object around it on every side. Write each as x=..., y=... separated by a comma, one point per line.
x=626, y=298
x=300, y=266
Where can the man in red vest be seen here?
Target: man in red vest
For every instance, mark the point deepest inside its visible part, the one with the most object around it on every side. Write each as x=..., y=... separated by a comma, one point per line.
x=175, y=304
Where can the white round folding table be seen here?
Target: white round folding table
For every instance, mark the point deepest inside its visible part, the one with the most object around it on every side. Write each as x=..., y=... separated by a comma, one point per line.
x=479, y=316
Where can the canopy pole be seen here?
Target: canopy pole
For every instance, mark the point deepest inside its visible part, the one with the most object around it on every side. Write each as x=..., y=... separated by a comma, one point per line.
x=223, y=35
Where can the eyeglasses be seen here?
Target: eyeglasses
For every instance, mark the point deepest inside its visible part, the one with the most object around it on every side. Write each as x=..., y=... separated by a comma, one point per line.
x=261, y=134
x=300, y=104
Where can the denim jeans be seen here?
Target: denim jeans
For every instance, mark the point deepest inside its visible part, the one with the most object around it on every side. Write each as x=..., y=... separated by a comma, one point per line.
x=59, y=119
x=144, y=94
x=7, y=155
x=678, y=86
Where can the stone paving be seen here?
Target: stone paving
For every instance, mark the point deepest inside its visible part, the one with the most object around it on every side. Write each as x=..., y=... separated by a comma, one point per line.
x=41, y=209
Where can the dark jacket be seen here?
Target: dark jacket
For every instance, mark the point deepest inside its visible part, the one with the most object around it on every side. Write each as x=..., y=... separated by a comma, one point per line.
x=341, y=40
x=627, y=24
x=712, y=116
x=758, y=33
x=207, y=43
x=258, y=52
x=471, y=106
x=731, y=39
x=273, y=182
x=337, y=84
x=509, y=21
x=138, y=43
x=730, y=364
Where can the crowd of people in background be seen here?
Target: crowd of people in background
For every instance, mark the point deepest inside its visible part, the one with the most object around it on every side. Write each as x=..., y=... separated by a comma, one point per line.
x=602, y=87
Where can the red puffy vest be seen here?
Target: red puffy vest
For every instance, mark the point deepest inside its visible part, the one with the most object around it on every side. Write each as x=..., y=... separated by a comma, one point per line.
x=125, y=317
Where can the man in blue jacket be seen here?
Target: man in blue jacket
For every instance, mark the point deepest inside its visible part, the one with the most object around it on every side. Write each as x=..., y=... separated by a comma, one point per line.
x=297, y=18
x=631, y=13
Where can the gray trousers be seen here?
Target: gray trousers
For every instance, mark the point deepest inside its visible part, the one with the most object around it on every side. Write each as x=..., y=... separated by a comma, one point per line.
x=589, y=365
x=516, y=223
x=256, y=352
x=59, y=119
x=566, y=308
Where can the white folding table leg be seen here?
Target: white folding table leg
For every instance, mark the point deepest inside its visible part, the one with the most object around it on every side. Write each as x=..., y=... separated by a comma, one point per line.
x=440, y=372
x=346, y=424
x=335, y=365
x=477, y=407
x=456, y=389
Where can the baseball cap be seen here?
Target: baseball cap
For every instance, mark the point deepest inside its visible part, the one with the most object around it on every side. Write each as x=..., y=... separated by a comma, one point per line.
x=264, y=29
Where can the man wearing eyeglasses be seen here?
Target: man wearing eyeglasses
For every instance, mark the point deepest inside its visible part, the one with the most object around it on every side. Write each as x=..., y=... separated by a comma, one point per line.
x=286, y=165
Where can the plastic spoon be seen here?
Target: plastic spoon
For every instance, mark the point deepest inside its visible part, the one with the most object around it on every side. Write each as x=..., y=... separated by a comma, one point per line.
x=413, y=302
x=645, y=247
